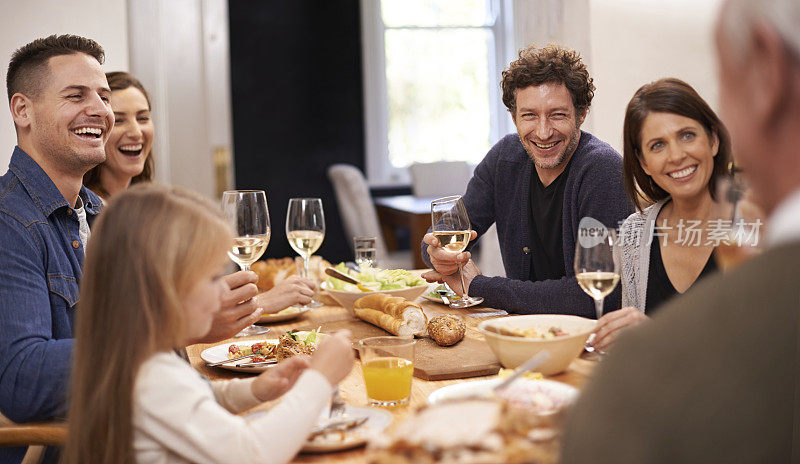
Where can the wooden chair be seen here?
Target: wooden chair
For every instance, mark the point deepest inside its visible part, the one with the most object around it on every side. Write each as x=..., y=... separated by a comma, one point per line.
x=34, y=435
x=359, y=216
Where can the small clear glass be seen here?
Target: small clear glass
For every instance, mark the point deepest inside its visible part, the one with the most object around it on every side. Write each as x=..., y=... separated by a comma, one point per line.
x=364, y=248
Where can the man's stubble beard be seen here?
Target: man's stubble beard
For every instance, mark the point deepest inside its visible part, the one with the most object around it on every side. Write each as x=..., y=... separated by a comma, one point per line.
x=573, y=143
x=64, y=154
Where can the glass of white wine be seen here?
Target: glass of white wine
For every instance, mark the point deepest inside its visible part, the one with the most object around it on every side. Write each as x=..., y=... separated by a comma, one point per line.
x=305, y=230
x=597, y=267
x=247, y=213
x=450, y=224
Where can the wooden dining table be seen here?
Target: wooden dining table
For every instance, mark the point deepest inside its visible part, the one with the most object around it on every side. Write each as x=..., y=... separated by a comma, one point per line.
x=352, y=387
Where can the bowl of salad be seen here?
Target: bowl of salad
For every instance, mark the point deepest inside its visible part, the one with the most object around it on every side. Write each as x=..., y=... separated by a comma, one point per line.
x=395, y=282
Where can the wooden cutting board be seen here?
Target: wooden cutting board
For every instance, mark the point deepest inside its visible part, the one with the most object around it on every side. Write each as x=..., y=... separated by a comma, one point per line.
x=470, y=357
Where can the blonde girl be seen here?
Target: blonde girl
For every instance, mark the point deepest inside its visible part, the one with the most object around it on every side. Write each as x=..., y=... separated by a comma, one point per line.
x=152, y=282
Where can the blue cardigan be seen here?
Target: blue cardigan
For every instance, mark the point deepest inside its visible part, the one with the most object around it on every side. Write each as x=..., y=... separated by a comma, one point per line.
x=499, y=193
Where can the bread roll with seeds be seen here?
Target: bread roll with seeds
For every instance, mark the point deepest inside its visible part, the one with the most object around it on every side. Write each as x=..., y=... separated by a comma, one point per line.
x=446, y=330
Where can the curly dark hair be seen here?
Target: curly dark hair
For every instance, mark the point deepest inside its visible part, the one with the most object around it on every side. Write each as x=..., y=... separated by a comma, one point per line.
x=28, y=63
x=553, y=63
x=674, y=96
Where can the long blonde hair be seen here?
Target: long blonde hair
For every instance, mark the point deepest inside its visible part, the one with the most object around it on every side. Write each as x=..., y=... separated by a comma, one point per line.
x=148, y=247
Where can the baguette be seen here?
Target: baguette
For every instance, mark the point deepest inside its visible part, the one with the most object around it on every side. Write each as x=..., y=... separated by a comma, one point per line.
x=404, y=318
x=386, y=322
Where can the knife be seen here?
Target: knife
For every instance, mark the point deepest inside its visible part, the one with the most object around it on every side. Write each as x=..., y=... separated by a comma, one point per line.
x=341, y=276
x=218, y=363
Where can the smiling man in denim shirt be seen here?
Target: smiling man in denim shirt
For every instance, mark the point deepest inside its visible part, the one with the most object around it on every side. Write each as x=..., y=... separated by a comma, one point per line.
x=59, y=100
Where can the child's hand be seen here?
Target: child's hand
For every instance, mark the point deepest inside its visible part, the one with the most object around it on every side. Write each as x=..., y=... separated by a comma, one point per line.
x=277, y=380
x=334, y=357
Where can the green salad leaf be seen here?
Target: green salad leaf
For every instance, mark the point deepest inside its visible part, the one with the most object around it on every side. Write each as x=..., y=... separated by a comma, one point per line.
x=376, y=279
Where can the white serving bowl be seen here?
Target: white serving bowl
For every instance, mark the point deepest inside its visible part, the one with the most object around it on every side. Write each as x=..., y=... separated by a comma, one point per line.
x=347, y=299
x=513, y=351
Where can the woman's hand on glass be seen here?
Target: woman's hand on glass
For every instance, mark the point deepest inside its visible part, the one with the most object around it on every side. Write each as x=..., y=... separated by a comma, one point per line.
x=612, y=324
x=288, y=292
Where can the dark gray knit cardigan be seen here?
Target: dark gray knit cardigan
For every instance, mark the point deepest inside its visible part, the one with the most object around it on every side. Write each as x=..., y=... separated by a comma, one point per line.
x=499, y=193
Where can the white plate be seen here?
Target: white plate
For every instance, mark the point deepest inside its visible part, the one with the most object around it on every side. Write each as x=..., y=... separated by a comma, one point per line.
x=220, y=353
x=558, y=391
x=378, y=420
x=437, y=298
x=268, y=318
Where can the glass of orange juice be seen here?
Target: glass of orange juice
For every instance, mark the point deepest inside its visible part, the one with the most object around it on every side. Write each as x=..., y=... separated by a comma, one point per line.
x=388, y=365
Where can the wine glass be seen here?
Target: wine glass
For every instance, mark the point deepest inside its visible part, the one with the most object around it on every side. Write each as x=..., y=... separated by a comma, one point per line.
x=738, y=221
x=305, y=230
x=246, y=211
x=596, y=266
x=450, y=224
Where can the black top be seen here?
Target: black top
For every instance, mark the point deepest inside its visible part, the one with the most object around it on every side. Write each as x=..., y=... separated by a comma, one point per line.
x=659, y=287
x=546, y=205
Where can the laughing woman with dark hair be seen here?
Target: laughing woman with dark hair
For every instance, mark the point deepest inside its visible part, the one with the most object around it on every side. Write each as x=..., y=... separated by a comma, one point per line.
x=129, y=149
x=675, y=149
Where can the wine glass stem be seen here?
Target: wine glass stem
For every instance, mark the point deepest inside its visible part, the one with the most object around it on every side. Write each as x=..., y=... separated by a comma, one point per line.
x=598, y=307
x=244, y=267
x=306, y=258
x=463, y=285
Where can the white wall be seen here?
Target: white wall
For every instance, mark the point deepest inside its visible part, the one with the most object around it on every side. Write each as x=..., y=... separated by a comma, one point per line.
x=634, y=42
x=24, y=21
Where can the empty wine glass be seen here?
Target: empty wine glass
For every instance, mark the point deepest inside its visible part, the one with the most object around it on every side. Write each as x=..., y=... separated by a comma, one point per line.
x=305, y=230
x=246, y=211
x=450, y=224
x=596, y=266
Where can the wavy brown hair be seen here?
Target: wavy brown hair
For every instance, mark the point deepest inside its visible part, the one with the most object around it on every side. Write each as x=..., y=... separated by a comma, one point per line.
x=148, y=248
x=674, y=96
x=120, y=80
x=550, y=64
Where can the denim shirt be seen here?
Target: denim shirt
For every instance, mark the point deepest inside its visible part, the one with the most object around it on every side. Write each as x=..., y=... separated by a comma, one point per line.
x=41, y=257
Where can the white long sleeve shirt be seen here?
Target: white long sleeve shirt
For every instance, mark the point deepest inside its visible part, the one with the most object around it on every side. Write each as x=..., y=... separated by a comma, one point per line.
x=179, y=416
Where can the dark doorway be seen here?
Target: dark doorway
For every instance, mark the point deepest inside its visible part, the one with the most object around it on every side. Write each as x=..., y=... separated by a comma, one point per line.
x=297, y=105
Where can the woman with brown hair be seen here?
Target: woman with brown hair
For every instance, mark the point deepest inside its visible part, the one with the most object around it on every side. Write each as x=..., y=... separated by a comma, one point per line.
x=129, y=149
x=152, y=282
x=675, y=150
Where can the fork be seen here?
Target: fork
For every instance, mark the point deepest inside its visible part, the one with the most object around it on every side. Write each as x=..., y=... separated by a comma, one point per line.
x=443, y=295
x=337, y=404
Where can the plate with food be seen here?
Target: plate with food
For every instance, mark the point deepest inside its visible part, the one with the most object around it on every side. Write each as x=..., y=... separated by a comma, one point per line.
x=348, y=436
x=261, y=354
x=470, y=429
x=536, y=394
x=436, y=297
x=283, y=315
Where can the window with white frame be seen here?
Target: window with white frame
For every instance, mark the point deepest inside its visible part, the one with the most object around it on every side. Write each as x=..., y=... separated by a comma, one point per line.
x=431, y=82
